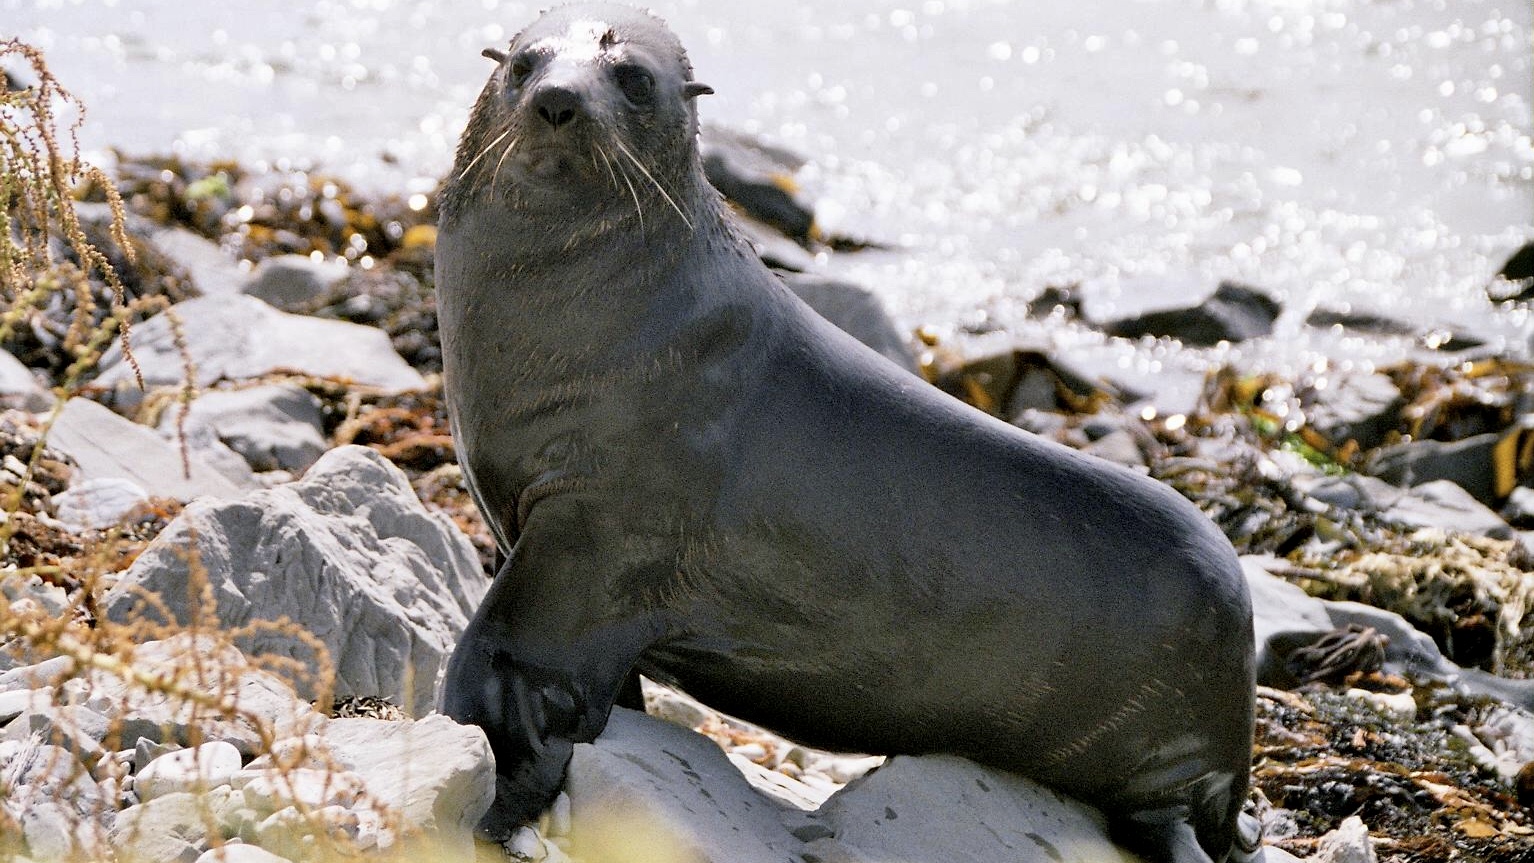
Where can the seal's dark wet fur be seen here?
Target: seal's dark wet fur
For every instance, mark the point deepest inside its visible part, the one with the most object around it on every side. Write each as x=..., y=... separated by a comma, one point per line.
x=694, y=475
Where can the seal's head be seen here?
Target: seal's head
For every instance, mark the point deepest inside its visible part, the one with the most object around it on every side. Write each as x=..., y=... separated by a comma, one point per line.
x=589, y=115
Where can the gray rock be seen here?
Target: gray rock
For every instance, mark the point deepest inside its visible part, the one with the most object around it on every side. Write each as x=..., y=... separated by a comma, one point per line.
x=1356, y=406
x=239, y=852
x=145, y=751
x=169, y=828
x=1234, y=313
x=348, y=553
x=1348, y=318
x=49, y=833
x=1283, y=614
x=856, y=311
x=276, y=427
x=52, y=795
x=647, y=773
x=98, y=503
x=48, y=673
x=270, y=789
x=1467, y=463
x=1515, y=281
x=1120, y=446
x=440, y=775
x=1169, y=389
x=212, y=270
x=289, y=282
x=1349, y=843
x=266, y=707
x=757, y=177
x=31, y=591
x=107, y=446
x=1443, y=504
x=197, y=769
x=19, y=388
x=240, y=337
x=775, y=250
x=204, y=445
x=987, y=815
x=1519, y=509
x=1352, y=491
x=72, y=727
x=15, y=702
x=311, y=834
x=643, y=775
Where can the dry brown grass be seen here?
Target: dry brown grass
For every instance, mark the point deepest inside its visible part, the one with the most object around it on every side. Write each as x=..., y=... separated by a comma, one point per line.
x=47, y=264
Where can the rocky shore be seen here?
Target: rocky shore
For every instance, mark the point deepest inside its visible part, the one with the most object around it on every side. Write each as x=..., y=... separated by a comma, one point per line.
x=236, y=563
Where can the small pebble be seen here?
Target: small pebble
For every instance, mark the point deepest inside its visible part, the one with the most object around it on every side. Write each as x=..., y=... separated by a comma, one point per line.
x=559, y=816
x=751, y=751
x=526, y=844
x=1401, y=705
x=239, y=852
x=146, y=750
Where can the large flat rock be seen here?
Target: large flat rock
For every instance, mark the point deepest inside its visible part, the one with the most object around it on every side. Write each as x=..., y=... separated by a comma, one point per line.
x=238, y=337
x=677, y=792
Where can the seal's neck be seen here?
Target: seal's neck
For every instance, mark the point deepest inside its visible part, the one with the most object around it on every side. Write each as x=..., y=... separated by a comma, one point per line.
x=609, y=277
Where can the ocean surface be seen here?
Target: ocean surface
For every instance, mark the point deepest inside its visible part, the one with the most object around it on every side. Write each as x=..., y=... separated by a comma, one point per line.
x=1372, y=155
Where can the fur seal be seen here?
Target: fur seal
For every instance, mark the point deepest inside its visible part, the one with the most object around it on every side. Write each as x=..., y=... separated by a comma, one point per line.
x=693, y=475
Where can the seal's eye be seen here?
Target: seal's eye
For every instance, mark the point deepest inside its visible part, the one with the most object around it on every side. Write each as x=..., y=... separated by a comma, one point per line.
x=636, y=82
x=521, y=67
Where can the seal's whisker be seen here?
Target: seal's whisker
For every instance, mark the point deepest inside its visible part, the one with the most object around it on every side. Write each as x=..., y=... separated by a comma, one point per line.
x=607, y=162
x=638, y=207
x=494, y=175
x=623, y=148
x=475, y=160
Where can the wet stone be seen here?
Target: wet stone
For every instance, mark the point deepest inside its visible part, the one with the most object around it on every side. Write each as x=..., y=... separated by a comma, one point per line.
x=1467, y=463
x=1518, y=510
x=290, y=282
x=1234, y=313
x=1356, y=407
x=757, y=177
x=1515, y=281
x=856, y=311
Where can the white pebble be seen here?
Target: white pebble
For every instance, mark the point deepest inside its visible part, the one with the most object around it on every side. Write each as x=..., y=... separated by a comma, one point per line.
x=207, y=766
x=844, y=770
x=239, y=852
x=559, y=816
x=751, y=751
x=1401, y=705
x=525, y=844
x=16, y=702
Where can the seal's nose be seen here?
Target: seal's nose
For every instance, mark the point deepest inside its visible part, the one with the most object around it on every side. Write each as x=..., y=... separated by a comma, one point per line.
x=556, y=105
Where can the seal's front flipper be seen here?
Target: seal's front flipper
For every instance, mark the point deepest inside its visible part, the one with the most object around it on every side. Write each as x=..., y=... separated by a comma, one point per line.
x=631, y=695
x=516, y=795
x=539, y=666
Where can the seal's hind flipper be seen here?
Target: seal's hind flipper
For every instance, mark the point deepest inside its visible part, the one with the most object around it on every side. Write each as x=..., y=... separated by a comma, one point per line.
x=1160, y=836
x=1248, y=839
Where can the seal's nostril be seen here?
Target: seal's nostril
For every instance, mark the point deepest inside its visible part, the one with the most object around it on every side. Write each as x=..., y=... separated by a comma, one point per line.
x=556, y=105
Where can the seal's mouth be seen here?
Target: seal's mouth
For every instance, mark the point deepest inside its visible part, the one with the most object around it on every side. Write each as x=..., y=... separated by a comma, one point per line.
x=547, y=163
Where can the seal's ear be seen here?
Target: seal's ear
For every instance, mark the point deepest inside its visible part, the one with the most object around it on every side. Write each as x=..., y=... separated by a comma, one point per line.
x=694, y=89
x=497, y=56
